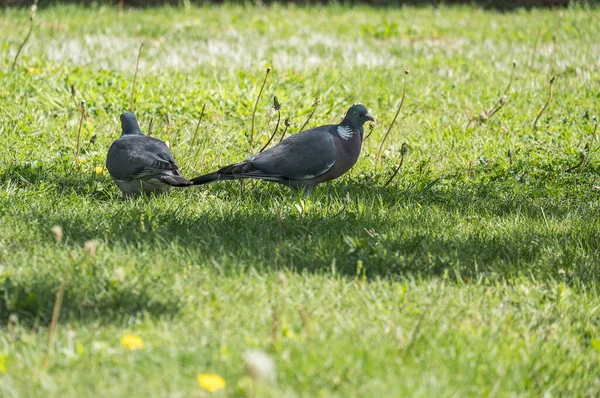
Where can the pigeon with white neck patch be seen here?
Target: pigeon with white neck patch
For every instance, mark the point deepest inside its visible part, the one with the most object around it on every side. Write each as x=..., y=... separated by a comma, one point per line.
x=305, y=159
x=138, y=163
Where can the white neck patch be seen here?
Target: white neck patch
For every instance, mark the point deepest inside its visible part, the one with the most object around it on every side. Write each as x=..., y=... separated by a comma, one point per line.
x=345, y=132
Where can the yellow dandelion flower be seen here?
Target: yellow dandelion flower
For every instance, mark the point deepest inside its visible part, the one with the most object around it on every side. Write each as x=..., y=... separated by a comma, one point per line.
x=289, y=333
x=132, y=342
x=211, y=382
x=99, y=170
x=37, y=71
x=3, y=361
x=79, y=160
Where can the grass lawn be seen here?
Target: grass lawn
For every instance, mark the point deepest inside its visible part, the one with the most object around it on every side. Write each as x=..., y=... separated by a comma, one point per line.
x=474, y=273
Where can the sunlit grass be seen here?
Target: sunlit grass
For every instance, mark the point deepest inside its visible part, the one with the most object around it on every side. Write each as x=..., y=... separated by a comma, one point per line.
x=475, y=272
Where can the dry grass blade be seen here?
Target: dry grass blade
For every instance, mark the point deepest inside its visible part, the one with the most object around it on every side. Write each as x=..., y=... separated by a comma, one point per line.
x=533, y=50
x=255, y=107
x=415, y=333
x=315, y=104
x=31, y=25
x=406, y=72
x=555, y=32
x=168, y=121
x=198, y=125
x=305, y=321
x=54, y=321
x=275, y=321
x=545, y=105
x=470, y=171
x=427, y=311
x=137, y=65
x=150, y=126
x=79, y=131
x=196, y=132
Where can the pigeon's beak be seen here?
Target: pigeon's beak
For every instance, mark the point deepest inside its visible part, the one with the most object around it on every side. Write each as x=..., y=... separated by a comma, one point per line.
x=369, y=117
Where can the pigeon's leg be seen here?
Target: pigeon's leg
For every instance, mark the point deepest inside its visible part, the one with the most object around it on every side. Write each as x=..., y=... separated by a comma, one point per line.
x=306, y=190
x=127, y=196
x=298, y=186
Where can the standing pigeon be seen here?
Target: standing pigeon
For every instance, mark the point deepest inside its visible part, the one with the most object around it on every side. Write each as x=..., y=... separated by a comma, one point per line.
x=305, y=159
x=141, y=164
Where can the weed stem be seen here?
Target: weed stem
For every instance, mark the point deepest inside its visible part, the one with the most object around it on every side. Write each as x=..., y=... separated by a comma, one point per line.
x=545, y=105
x=255, y=107
x=287, y=124
x=198, y=125
x=406, y=72
x=31, y=24
x=79, y=130
x=403, y=152
x=137, y=65
x=277, y=107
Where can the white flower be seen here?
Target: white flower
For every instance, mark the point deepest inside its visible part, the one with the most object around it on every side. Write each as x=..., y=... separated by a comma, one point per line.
x=119, y=274
x=90, y=247
x=259, y=365
x=57, y=232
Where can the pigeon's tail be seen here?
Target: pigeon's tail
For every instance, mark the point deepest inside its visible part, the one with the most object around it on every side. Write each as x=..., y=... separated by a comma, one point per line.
x=205, y=179
x=211, y=177
x=175, y=181
x=229, y=172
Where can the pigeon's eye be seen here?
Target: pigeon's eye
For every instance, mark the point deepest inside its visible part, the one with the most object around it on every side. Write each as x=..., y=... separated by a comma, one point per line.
x=355, y=114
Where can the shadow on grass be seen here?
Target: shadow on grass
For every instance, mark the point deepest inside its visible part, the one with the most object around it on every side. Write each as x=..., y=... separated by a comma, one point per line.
x=61, y=177
x=33, y=301
x=427, y=228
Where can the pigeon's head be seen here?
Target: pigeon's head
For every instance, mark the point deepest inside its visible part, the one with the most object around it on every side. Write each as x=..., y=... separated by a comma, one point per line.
x=129, y=124
x=357, y=115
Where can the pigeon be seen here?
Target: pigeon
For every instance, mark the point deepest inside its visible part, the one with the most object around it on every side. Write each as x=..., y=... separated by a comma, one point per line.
x=138, y=163
x=305, y=159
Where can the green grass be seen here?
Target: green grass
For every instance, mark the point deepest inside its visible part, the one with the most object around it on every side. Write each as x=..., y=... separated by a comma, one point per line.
x=474, y=273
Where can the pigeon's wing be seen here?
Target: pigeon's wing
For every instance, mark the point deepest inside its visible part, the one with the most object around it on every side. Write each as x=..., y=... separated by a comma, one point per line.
x=302, y=156
x=135, y=157
x=152, y=158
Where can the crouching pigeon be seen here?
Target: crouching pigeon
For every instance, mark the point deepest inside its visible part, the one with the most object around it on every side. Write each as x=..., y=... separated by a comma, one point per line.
x=305, y=159
x=141, y=164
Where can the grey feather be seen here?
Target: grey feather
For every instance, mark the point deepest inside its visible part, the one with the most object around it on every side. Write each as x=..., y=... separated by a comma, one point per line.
x=301, y=156
x=141, y=164
x=305, y=159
